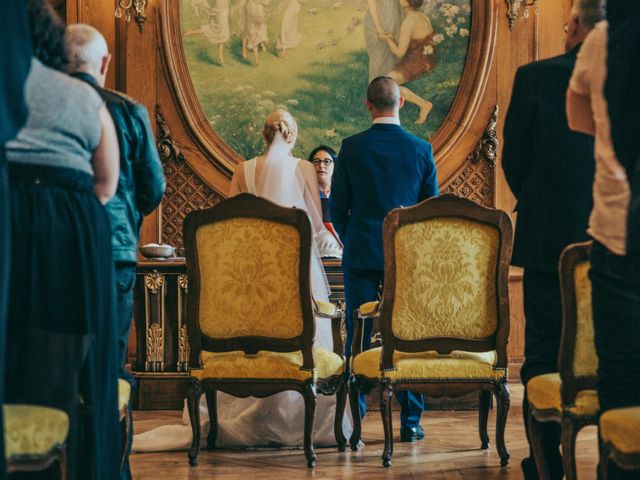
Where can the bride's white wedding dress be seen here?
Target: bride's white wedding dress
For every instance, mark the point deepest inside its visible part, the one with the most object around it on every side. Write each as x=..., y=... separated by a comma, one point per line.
x=276, y=421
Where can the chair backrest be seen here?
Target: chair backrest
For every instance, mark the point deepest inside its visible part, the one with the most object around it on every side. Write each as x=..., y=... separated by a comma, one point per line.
x=578, y=360
x=248, y=264
x=446, y=278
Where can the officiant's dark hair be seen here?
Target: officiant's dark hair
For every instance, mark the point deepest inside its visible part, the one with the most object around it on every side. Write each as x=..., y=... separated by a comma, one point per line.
x=383, y=93
x=323, y=148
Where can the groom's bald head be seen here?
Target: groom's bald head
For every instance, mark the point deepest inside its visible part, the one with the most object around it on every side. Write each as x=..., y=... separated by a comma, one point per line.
x=383, y=97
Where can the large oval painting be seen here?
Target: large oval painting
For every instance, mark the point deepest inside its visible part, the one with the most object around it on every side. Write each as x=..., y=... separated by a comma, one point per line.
x=315, y=58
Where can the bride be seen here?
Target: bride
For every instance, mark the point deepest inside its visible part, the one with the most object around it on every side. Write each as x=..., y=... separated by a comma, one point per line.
x=275, y=421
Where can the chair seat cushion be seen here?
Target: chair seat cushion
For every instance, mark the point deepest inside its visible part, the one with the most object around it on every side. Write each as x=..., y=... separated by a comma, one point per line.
x=621, y=428
x=369, y=308
x=429, y=365
x=268, y=365
x=124, y=393
x=543, y=393
x=33, y=430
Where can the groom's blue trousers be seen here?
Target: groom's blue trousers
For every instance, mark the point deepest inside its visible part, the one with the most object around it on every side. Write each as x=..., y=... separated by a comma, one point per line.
x=362, y=286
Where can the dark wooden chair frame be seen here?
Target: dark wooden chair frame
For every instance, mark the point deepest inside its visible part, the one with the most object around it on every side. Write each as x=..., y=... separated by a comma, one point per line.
x=570, y=384
x=609, y=453
x=250, y=206
x=440, y=207
x=39, y=463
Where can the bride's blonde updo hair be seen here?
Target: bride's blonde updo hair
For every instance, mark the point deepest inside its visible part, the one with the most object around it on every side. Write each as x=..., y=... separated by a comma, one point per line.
x=280, y=121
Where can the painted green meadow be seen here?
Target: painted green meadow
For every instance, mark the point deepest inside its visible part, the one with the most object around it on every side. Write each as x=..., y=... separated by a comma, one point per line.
x=323, y=81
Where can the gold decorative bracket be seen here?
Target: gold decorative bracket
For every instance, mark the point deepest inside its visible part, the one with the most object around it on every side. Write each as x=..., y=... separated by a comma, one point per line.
x=513, y=9
x=183, y=338
x=487, y=148
x=154, y=293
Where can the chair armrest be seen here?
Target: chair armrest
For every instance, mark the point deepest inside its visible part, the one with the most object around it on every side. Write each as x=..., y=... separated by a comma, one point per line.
x=369, y=310
x=326, y=310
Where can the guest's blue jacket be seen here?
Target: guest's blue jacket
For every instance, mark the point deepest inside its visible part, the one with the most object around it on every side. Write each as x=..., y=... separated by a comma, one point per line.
x=377, y=170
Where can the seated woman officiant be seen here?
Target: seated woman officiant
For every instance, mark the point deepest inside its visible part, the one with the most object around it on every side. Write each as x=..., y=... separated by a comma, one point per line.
x=323, y=159
x=280, y=177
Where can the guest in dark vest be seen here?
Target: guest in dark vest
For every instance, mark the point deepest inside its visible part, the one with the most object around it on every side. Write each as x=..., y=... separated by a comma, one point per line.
x=550, y=171
x=141, y=181
x=61, y=343
x=377, y=170
x=15, y=61
x=623, y=97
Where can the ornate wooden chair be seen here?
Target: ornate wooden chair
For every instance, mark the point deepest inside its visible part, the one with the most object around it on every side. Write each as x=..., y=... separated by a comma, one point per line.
x=444, y=314
x=34, y=438
x=568, y=397
x=620, y=440
x=251, y=312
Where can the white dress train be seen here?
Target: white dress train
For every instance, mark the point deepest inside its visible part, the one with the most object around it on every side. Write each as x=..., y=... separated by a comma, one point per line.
x=275, y=421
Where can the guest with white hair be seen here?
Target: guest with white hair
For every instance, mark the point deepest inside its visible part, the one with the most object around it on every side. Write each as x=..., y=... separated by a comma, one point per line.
x=141, y=179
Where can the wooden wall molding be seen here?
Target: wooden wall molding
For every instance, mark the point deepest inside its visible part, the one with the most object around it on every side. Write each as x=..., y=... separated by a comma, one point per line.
x=487, y=148
x=466, y=103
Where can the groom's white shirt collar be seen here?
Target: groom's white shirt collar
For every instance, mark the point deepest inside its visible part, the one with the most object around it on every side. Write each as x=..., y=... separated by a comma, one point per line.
x=387, y=120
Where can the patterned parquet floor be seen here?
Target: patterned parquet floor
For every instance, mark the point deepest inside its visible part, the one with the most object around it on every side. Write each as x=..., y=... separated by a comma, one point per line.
x=450, y=451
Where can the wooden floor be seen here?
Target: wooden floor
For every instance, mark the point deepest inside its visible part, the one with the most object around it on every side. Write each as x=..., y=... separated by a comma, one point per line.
x=449, y=451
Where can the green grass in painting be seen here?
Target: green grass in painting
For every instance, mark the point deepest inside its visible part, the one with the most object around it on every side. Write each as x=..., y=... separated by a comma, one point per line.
x=322, y=82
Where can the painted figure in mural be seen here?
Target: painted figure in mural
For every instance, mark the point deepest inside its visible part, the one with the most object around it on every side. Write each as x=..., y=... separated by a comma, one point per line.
x=199, y=7
x=289, y=35
x=416, y=52
x=217, y=28
x=383, y=17
x=255, y=28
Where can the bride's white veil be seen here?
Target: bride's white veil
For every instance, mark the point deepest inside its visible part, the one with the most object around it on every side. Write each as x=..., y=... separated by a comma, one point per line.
x=281, y=182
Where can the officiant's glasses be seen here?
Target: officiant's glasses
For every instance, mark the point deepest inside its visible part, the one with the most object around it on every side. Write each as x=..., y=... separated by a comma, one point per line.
x=322, y=161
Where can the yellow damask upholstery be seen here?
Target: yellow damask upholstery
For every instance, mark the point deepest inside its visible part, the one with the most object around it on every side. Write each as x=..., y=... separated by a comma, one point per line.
x=585, y=361
x=268, y=365
x=33, y=430
x=249, y=292
x=124, y=393
x=325, y=309
x=621, y=428
x=428, y=365
x=445, y=279
x=543, y=393
x=368, y=309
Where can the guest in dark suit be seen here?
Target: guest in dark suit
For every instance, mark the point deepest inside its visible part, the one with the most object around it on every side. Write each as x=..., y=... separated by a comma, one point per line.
x=378, y=170
x=550, y=171
x=623, y=97
x=15, y=61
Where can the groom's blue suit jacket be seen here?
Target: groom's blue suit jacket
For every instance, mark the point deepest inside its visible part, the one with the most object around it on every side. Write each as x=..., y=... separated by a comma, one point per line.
x=380, y=169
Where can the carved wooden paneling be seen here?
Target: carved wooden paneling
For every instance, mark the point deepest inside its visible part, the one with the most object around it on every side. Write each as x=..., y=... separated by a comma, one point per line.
x=475, y=179
x=185, y=191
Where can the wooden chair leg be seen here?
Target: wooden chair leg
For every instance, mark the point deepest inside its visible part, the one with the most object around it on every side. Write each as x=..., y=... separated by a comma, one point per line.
x=502, y=411
x=354, y=403
x=386, y=395
x=62, y=462
x=535, y=437
x=193, y=404
x=341, y=402
x=309, y=418
x=569, y=434
x=483, y=417
x=603, y=467
x=212, y=406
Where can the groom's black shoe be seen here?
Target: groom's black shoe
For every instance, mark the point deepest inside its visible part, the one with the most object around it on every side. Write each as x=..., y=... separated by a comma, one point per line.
x=411, y=434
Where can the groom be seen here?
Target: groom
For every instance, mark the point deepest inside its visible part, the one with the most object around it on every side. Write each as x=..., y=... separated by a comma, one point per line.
x=378, y=170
